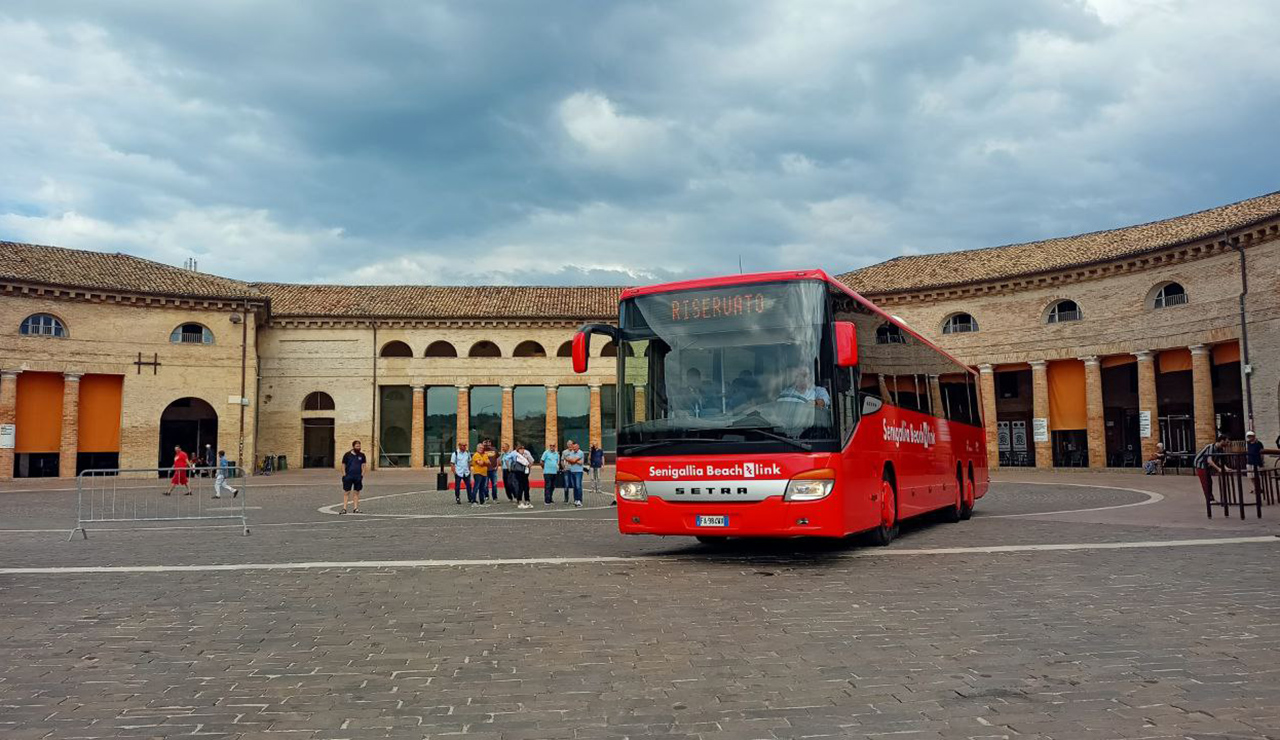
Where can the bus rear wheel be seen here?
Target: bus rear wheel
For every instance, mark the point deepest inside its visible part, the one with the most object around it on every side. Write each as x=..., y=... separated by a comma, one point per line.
x=954, y=513
x=967, y=500
x=888, y=528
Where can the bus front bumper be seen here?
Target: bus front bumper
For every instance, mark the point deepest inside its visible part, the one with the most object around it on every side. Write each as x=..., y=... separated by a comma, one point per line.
x=772, y=517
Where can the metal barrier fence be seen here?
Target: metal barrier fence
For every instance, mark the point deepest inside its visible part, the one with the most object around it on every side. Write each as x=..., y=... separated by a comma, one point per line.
x=1239, y=481
x=145, y=495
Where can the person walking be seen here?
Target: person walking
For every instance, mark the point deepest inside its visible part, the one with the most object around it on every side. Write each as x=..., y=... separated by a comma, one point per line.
x=596, y=458
x=1205, y=465
x=181, y=469
x=550, y=468
x=571, y=460
x=220, y=478
x=461, y=462
x=480, y=474
x=352, y=477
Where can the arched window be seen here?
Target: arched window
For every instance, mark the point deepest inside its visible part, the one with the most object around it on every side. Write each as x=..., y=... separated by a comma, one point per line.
x=396, y=348
x=566, y=350
x=959, y=323
x=484, y=349
x=890, y=334
x=191, y=334
x=317, y=401
x=610, y=349
x=1062, y=311
x=43, y=325
x=1169, y=294
x=441, y=349
x=530, y=348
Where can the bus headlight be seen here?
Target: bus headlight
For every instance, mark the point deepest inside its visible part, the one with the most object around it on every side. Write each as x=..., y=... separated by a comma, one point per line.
x=631, y=488
x=810, y=486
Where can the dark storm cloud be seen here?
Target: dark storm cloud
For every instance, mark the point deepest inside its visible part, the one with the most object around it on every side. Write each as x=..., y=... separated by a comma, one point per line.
x=618, y=142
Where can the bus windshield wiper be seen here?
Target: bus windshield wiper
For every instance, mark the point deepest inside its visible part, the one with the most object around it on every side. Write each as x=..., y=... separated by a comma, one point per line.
x=775, y=436
x=673, y=441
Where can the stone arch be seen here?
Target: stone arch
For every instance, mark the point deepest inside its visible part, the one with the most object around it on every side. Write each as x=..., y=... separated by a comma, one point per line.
x=1166, y=294
x=566, y=350
x=1062, y=311
x=318, y=401
x=529, y=348
x=395, y=348
x=484, y=348
x=441, y=348
x=190, y=423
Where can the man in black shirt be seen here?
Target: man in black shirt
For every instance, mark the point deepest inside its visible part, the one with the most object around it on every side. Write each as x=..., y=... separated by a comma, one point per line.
x=352, y=476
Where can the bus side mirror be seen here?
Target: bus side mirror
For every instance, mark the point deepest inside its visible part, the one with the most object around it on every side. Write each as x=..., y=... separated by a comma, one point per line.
x=581, y=350
x=846, y=344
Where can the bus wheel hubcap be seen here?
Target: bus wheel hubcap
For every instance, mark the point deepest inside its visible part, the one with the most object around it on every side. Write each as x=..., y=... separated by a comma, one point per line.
x=887, y=508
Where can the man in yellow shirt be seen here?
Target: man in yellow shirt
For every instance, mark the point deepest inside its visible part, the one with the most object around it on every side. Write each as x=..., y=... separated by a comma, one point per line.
x=480, y=473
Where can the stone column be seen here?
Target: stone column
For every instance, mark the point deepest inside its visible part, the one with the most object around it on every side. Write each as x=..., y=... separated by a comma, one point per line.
x=553, y=416
x=70, y=442
x=508, y=434
x=1202, y=395
x=595, y=425
x=1095, y=421
x=464, y=414
x=1148, y=402
x=987, y=389
x=8, y=412
x=641, y=403
x=417, y=434
x=1040, y=410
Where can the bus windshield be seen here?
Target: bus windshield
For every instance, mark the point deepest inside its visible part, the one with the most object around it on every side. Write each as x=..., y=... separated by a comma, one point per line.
x=726, y=369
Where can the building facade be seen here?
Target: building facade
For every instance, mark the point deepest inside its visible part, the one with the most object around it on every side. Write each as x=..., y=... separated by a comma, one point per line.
x=1091, y=350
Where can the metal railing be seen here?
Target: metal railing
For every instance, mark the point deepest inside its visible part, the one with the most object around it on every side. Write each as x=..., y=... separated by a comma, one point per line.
x=146, y=495
x=1239, y=482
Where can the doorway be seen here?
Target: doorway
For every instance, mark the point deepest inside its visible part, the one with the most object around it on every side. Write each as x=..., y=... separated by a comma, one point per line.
x=317, y=443
x=189, y=423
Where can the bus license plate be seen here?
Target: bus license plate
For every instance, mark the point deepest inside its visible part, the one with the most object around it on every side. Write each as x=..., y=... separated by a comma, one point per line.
x=712, y=521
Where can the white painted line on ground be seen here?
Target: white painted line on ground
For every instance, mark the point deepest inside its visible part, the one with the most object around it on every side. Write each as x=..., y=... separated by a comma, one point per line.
x=466, y=513
x=443, y=563
x=1152, y=498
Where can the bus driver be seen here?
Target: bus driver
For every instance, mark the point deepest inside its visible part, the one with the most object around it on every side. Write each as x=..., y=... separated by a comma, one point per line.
x=802, y=389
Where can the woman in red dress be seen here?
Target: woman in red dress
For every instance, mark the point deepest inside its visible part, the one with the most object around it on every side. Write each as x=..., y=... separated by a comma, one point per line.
x=180, y=465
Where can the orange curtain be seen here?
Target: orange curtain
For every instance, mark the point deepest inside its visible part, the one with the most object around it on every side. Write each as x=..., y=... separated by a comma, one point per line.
x=1118, y=360
x=1067, y=408
x=1175, y=360
x=100, y=413
x=39, y=412
x=1225, y=353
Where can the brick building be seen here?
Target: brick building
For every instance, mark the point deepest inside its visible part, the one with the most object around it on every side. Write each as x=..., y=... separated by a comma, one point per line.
x=1103, y=343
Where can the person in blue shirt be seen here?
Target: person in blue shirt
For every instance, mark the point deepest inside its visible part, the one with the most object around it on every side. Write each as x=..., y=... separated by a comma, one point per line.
x=550, y=467
x=352, y=477
x=571, y=461
x=461, y=461
x=220, y=479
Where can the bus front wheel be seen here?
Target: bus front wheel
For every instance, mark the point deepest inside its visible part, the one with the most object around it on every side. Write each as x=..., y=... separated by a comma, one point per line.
x=888, y=528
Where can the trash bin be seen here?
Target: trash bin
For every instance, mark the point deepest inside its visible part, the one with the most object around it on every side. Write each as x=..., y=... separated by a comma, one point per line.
x=234, y=470
x=442, y=481
x=282, y=462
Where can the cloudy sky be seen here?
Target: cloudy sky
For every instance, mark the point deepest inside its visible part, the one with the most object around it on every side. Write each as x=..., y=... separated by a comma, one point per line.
x=619, y=142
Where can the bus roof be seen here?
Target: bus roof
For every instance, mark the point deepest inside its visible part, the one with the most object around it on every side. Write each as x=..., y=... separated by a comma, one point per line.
x=784, y=276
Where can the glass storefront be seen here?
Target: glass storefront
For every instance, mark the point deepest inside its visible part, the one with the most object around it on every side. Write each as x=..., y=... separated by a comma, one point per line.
x=441, y=424
x=486, y=414
x=530, y=412
x=573, y=413
x=395, y=426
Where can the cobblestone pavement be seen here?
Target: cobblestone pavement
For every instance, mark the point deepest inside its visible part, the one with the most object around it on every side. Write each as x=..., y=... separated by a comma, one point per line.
x=572, y=631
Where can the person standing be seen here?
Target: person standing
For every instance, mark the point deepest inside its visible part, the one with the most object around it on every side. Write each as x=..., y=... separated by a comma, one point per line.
x=1205, y=465
x=480, y=474
x=220, y=478
x=352, y=477
x=508, y=484
x=181, y=468
x=518, y=462
x=494, y=467
x=461, y=461
x=208, y=461
x=550, y=468
x=571, y=460
x=596, y=458
x=1253, y=457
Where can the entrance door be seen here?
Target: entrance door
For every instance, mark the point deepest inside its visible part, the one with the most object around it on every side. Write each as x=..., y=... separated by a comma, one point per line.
x=317, y=443
x=1178, y=432
x=189, y=423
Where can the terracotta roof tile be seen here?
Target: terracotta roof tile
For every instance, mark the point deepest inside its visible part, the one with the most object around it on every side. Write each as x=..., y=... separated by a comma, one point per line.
x=997, y=263
x=32, y=263
x=428, y=301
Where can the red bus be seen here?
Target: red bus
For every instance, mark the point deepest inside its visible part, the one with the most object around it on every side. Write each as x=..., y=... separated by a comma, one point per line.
x=781, y=405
